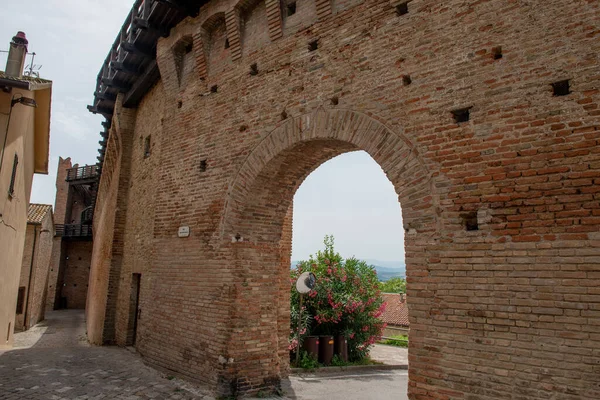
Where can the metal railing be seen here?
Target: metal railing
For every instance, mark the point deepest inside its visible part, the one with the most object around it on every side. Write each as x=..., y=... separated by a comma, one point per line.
x=74, y=230
x=85, y=172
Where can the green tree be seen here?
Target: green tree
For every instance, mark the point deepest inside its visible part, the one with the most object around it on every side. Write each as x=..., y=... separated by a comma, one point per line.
x=394, y=285
x=346, y=300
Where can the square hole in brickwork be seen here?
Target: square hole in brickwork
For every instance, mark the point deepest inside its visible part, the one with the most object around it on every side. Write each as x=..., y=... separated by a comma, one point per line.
x=335, y=100
x=254, y=69
x=497, y=53
x=469, y=221
x=290, y=9
x=313, y=45
x=402, y=9
x=203, y=166
x=561, y=88
x=406, y=80
x=462, y=115
x=214, y=89
x=226, y=43
x=284, y=115
x=147, y=146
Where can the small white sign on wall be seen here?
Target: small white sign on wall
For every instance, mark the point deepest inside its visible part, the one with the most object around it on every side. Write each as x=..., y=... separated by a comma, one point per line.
x=184, y=231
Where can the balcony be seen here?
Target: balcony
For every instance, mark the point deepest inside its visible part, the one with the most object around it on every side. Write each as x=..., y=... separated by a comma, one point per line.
x=75, y=231
x=85, y=173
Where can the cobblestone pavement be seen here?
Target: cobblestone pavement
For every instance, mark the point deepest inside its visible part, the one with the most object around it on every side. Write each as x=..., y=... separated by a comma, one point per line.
x=53, y=361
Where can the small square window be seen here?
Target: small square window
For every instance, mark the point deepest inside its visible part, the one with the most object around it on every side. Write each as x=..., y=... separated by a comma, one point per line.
x=462, y=115
x=291, y=9
x=147, y=146
x=561, y=88
x=402, y=9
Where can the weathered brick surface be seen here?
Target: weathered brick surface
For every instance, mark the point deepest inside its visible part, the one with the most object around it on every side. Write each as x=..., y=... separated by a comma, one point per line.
x=70, y=260
x=76, y=273
x=60, y=210
x=35, y=271
x=510, y=310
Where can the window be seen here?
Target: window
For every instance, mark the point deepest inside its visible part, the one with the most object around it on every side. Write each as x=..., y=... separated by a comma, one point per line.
x=20, y=300
x=13, y=177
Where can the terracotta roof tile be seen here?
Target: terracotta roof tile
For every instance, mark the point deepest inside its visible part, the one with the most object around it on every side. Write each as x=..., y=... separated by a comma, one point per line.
x=396, y=312
x=32, y=82
x=37, y=212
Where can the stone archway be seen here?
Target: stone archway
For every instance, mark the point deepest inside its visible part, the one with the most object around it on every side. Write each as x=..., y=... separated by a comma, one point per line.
x=259, y=207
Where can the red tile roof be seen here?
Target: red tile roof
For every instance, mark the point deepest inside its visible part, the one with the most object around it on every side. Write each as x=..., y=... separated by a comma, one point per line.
x=37, y=212
x=396, y=312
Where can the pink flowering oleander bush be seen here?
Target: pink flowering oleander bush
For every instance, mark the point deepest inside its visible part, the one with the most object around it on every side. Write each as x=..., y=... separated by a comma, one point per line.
x=346, y=300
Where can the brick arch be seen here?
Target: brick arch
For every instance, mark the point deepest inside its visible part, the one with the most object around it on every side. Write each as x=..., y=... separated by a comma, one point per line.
x=258, y=215
x=324, y=134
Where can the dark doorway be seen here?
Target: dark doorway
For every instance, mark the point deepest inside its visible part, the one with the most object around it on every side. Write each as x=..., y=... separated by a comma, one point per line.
x=134, y=311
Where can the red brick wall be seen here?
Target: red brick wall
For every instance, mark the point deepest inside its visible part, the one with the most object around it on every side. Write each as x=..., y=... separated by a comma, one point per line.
x=35, y=292
x=139, y=230
x=60, y=214
x=77, y=259
x=30, y=233
x=508, y=310
x=109, y=220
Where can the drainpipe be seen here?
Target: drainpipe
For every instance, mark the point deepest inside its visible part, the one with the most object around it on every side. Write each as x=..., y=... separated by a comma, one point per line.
x=25, y=322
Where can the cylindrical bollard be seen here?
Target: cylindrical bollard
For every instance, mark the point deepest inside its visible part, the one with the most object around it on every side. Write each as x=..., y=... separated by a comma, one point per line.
x=311, y=346
x=341, y=347
x=325, y=349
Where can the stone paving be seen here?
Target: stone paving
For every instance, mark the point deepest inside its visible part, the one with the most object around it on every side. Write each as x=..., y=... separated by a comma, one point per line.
x=53, y=361
x=389, y=355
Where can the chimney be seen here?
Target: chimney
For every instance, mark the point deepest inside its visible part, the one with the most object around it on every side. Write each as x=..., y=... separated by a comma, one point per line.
x=16, y=56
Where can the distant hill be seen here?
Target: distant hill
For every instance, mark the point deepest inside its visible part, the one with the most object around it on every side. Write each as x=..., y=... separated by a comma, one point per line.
x=388, y=269
x=385, y=269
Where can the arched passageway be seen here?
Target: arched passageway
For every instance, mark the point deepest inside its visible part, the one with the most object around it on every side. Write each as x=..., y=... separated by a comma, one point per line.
x=258, y=217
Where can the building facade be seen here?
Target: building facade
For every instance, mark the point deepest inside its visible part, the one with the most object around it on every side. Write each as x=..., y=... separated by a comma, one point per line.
x=395, y=315
x=35, y=269
x=484, y=116
x=72, y=248
x=24, y=143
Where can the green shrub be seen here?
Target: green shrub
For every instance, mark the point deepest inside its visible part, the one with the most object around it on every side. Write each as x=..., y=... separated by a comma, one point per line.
x=307, y=361
x=346, y=300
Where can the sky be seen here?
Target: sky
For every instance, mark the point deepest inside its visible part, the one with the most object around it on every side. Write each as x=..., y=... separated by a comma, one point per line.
x=349, y=197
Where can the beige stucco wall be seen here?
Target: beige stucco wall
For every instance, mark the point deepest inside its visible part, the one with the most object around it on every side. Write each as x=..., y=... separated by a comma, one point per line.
x=13, y=209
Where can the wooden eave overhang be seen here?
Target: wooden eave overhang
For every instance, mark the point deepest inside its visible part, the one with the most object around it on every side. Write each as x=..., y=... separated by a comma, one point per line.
x=130, y=67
